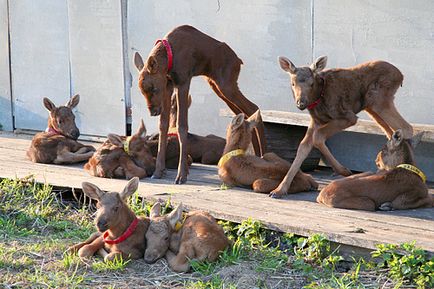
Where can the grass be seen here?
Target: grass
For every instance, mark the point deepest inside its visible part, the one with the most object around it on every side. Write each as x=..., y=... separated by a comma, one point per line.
x=37, y=225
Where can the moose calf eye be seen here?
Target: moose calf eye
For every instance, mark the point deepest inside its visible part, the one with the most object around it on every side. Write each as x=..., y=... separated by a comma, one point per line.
x=167, y=238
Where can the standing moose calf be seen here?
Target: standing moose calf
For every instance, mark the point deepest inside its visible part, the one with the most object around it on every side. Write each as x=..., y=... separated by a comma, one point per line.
x=58, y=144
x=186, y=52
x=120, y=232
x=181, y=239
x=398, y=185
x=334, y=97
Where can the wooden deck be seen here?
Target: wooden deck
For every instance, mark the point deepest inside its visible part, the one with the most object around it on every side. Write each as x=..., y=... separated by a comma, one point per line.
x=297, y=213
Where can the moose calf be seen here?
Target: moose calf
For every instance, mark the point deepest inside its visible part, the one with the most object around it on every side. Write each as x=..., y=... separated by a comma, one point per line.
x=334, y=97
x=195, y=236
x=58, y=144
x=123, y=157
x=262, y=173
x=120, y=232
x=184, y=53
x=398, y=185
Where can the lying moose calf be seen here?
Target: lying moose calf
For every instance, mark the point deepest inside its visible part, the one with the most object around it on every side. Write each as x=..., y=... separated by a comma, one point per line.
x=120, y=232
x=196, y=236
x=397, y=185
x=58, y=144
x=123, y=157
x=262, y=173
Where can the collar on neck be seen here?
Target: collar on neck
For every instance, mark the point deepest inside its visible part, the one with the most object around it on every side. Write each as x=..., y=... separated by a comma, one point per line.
x=124, y=236
x=127, y=145
x=168, y=51
x=316, y=102
x=229, y=155
x=413, y=169
x=179, y=224
x=173, y=131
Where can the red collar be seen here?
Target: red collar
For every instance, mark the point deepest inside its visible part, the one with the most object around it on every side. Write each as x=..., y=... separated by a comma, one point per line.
x=316, y=102
x=168, y=51
x=124, y=236
x=52, y=131
x=172, y=134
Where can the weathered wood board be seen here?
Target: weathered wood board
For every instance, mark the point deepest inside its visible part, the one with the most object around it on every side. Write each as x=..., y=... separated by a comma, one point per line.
x=298, y=213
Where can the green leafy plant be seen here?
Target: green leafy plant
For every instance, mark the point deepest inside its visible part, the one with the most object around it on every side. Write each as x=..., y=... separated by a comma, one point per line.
x=405, y=262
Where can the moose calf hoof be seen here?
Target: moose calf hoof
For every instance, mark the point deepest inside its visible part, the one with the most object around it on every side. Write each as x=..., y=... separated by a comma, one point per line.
x=276, y=194
x=180, y=180
x=158, y=174
x=386, y=207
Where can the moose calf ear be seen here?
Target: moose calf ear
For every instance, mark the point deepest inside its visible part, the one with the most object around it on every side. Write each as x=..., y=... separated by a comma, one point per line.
x=255, y=119
x=287, y=65
x=237, y=121
x=141, y=131
x=155, y=210
x=130, y=188
x=152, y=65
x=415, y=140
x=49, y=105
x=319, y=64
x=92, y=191
x=138, y=61
x=73, y=101
x=175, y=216
x=396, y=138
x=115, y=140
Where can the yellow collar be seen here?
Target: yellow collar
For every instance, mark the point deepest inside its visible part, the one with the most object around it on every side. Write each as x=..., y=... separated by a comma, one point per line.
x=179, y=224
x=228, y=155
x=413, y=169
x=127, y=145
x=172, y=130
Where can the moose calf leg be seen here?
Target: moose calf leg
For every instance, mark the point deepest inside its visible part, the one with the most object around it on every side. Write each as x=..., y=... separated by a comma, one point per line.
x=179, y=262
x=327, y=130
x=264, y=185
x=90, y=249
x=302, y=152
x=354, y=203
x=182, y=124
x=162, y=140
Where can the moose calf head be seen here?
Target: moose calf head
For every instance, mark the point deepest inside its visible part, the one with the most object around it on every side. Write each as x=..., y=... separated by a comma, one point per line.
x=153, y=82
x=136, y=146
x=240, y=130
x=397, y=151
x=112, y=208
x=159, y=232
x=61, y=119
x=305, y=81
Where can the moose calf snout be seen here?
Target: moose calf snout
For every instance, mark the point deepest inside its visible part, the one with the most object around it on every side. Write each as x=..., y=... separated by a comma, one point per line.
x=151, y=256
x=102, y=225
x=301, y=104
x=155, y=111
x=75, y=134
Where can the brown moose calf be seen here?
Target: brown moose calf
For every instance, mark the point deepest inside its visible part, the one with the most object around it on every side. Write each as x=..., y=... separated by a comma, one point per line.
x=398, y=185
x=58, y=143
x=262, y=173
x=197, y=236
x=123, y=157
x=120, y=232
x=334, y=97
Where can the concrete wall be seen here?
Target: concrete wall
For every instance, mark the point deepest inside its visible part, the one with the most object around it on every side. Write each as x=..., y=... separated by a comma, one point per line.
x=5, y=91
x=39, y=58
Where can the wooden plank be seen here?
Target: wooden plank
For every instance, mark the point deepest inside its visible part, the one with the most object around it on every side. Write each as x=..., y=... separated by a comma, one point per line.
x=303, y=119
x=297, y=213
